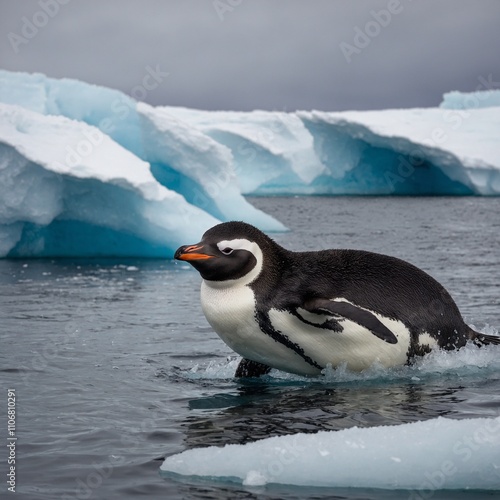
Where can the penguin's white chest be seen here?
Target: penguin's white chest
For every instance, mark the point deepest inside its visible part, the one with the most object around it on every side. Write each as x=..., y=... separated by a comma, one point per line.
x=231, y=312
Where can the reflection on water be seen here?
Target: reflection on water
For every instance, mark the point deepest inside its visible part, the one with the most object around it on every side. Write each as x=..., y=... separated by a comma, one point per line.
x=257, y=411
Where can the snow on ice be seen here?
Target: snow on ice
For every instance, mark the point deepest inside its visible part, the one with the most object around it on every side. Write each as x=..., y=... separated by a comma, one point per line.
x=61, y=140
x=388, y=457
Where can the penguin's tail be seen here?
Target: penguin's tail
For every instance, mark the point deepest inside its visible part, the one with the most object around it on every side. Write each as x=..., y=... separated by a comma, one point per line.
x=481, y=339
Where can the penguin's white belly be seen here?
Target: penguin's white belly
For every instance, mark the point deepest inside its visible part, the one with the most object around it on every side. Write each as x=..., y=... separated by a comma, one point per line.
x=231, y=313
x=355, y=345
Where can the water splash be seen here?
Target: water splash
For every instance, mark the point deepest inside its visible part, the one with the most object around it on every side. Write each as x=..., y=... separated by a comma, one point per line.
x=214, y=370
x=468, y=361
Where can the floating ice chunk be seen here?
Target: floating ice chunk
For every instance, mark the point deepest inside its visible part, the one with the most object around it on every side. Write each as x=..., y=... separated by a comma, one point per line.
x=440, y=453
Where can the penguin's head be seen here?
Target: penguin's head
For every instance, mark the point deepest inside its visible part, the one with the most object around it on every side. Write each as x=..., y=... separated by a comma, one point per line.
x=231, y=252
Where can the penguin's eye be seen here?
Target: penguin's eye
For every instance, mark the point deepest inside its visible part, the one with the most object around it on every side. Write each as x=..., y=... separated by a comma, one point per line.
x=227, y=251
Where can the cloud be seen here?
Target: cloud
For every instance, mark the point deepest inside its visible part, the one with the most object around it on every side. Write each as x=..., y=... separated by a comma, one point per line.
x=281, y=55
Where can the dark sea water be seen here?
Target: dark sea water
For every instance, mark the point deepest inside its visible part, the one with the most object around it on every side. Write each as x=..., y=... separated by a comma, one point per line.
x=114, y=366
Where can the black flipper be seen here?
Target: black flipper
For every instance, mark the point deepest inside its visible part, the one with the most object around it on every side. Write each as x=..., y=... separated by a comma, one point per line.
x=249, y=368
x=353, y=313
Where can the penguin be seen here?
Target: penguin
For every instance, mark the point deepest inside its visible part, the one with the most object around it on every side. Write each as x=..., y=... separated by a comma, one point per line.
x=301, y=311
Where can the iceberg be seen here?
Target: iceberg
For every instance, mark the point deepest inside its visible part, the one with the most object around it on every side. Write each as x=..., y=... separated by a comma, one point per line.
x=109, y=110
x=67, y=189
x=408, y=151
x=181, y=157
x=273, y=151
x=378, y=457
x=76, y=158
x=188, y=161
x=471, y=100
x=430, y=151
x=210, y=159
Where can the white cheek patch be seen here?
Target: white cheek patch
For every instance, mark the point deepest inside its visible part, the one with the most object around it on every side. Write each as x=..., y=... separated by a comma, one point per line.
x=240, y=244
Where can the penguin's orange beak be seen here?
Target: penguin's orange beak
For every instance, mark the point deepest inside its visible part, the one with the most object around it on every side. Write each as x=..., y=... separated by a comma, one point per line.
x=192, y=252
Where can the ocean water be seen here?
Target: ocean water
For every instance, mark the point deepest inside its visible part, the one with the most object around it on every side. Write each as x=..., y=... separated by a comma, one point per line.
x=114, y=366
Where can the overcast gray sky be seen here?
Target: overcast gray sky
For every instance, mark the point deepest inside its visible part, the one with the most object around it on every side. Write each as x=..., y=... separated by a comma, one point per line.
x=260, y=54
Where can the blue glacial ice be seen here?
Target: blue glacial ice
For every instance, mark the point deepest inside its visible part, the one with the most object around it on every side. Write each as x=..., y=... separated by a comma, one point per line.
x=390, y=152
x=189, y=162
x=409, y=151
x=69, y=190
x=471, y=100
x=379, y=457
x=87, y=171
x=211, y=159
x=273, y=152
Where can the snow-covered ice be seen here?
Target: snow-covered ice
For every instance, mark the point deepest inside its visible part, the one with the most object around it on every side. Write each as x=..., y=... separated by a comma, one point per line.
x=210, y=159
x=192, y=163
x=87, y=171
x=181, y=157
x=68, y=189
x=389, y=457
x=389, y=152
x=273, y=152
x=409, y=151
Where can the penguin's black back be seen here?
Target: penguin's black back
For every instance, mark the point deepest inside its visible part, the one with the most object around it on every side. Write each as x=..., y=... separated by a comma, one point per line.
x=383, y=284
